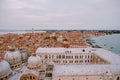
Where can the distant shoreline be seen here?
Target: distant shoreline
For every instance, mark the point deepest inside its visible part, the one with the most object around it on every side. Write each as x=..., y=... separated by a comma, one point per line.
x=5, y=31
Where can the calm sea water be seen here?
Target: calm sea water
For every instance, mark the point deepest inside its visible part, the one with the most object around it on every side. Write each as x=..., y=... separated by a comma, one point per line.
x=110, y=42
x=16, y=32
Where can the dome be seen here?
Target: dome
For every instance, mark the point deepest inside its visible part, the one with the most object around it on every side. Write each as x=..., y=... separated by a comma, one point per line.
x=5, y=69
x=24, y=55
x=34, y=61
x=13, y=58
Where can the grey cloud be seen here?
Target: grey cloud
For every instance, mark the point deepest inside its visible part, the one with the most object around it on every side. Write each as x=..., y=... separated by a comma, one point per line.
x=90, y=14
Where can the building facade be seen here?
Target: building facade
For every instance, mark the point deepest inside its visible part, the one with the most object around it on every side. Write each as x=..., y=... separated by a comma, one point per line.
x=67, y=56
x=64, y=64
x=81, y=63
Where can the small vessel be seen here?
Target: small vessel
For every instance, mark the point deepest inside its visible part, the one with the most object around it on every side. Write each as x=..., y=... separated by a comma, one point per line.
x=111, y=47
x=104, y=44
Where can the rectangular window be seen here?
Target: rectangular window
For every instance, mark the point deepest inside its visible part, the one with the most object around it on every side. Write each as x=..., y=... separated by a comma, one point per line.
x=71, y=57
x=91, y=56
x=80, y=61
x=67, y=57
x=76, y=61
x=70, y=61
x=91, y=60
x=65, y=61
x=63, y=56
x=80, y=56
x=46, y=56
x=76, y=57
x=59, y=56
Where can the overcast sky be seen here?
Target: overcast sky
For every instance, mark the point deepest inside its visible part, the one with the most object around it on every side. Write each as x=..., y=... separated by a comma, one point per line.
x=60, y=14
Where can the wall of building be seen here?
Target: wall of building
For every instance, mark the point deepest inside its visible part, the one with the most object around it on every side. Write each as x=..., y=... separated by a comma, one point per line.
x=67, y=58
x=72, y=58
x=98, y=60
x=88, y=77
x=75, y=77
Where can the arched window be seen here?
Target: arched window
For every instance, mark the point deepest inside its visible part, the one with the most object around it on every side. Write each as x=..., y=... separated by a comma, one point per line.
x=30, y=77
x=33, y=77
x=118, y=78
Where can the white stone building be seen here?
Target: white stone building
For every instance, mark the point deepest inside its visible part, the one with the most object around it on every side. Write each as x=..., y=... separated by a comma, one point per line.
x=82, y=63
x=63, y=64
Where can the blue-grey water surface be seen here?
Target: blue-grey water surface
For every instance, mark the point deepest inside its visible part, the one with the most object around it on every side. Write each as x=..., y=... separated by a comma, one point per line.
x=110, y=42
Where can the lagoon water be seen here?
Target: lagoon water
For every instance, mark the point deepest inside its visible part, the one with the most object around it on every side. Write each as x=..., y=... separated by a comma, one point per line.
x=110, y=42
x=16, y=31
